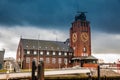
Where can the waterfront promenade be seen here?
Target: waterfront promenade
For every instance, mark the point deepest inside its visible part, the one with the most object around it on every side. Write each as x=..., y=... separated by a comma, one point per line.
x=27, y=75
x=46, y=73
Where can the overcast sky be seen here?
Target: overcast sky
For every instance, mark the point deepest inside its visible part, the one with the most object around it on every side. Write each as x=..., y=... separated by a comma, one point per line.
x=51, y=20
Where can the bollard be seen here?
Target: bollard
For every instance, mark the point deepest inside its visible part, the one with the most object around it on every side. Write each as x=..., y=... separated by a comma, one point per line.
x=98, y=72
x=40, y=73
x=105, y=77
x=33, y=70
x=42, y=70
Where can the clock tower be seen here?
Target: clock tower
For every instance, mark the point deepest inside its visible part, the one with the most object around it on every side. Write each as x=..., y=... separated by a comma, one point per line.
x=80, y=37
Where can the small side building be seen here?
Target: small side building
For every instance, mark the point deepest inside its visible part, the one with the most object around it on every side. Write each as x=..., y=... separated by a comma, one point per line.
x=2, y=52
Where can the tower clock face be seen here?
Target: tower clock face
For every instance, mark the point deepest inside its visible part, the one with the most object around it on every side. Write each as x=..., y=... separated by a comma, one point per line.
x=74, y=37
x=84, y=36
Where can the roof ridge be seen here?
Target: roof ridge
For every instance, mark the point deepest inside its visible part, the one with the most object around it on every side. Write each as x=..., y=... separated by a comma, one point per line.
x=42, y=40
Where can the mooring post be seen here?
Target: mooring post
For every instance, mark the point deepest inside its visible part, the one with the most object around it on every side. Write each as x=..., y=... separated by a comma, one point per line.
x=40, y=72
x=98, y=72
x=33, y=70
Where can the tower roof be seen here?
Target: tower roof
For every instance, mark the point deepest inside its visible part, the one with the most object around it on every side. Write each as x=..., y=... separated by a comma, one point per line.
x=80, y=16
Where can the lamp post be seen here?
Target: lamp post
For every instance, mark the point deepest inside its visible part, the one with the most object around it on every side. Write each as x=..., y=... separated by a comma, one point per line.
x=38, y=51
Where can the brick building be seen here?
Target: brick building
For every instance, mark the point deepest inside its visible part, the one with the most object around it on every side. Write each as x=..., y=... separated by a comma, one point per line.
x=80, y=41
x=56, y=54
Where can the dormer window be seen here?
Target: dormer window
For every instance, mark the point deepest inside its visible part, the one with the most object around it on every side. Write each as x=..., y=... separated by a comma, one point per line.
x=65, y=54
x=28, y=52
x=53, y=53
x=59, y=53
x=41, y=53
x=47, y=53
x=35, y=52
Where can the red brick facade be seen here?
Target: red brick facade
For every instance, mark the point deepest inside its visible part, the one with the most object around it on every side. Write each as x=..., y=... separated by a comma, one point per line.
x=76, y=51
x=80, y=38
x=51, y=58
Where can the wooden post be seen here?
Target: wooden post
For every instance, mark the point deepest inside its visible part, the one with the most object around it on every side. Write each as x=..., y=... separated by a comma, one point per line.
x=98, y=72
x=40, y=73
x=42, y=70
x=33, y=70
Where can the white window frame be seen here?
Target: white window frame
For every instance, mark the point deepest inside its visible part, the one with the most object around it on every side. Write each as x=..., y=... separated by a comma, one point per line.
x=59, y=53
x=35, y=52
x=59, y=60
x=54, y=60
x=41, y=59
x=48, y=53
x=65, y=60
x=28, y=51
x=41, y=52
x=54, y=53
x=65, y=53
x=48, y=60
x=27, y=59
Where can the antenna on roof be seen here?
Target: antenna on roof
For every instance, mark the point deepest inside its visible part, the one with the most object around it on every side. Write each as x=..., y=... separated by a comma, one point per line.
x=56, y=36
x=38, y=48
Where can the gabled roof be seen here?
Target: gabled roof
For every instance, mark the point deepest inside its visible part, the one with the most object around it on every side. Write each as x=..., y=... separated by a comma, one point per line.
x=45, y=45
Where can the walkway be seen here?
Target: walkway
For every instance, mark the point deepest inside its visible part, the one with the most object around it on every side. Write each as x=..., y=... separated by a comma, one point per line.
x=53, y=72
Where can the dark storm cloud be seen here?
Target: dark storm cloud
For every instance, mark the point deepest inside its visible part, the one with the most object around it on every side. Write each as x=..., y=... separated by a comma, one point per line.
x=103, y=14
x=107, y=17
x=34, y=12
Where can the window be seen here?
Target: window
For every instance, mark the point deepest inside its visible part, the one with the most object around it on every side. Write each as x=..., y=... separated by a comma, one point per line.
x=41, y=59
x=53, y=60
x=41, y=53
x=59, y=60
x=59, y=53
x=27, y=60
x=65, y=54
x=84, y=54
x=47, y=53
x=84, y=49
x=35, y=52
x=28, y=52
x=35, y=59
x=47, y=60
x=70, y=54
x=53, y=53
x=65, y=60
